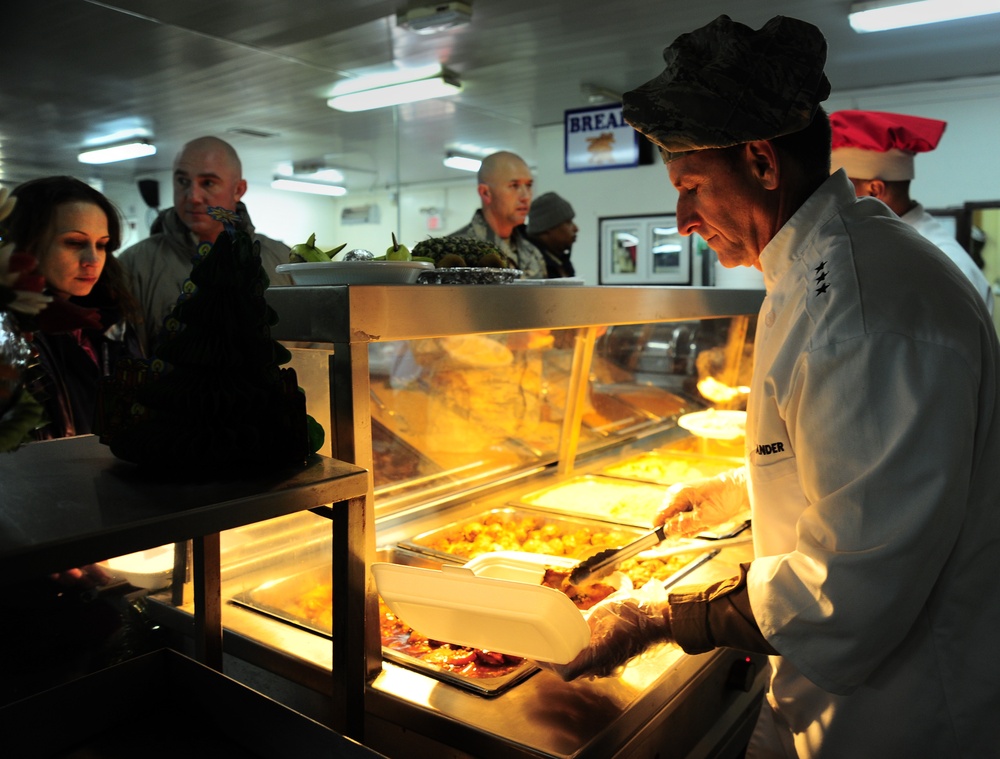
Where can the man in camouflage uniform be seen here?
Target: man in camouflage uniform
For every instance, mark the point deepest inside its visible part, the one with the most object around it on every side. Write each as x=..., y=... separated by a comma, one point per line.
x=505, y=187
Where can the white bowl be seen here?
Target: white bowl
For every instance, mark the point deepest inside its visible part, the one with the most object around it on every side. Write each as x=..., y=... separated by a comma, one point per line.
x=555, y=281
x=355, y=272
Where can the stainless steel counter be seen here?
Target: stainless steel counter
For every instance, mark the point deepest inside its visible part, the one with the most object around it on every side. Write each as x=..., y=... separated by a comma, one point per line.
x=665, y=704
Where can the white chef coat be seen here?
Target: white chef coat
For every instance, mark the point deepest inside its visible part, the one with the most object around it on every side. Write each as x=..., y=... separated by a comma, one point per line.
x=873, y=447
x=935, y=231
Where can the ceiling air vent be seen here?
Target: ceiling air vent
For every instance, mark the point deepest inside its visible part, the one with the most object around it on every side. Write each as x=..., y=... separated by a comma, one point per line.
x=360, y=215
x=429, y=19
x=251, y=132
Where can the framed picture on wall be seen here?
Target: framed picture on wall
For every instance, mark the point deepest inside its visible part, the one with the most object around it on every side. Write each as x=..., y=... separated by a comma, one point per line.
x=643, y=250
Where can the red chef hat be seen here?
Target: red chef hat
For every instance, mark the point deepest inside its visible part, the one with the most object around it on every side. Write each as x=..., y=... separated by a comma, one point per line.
x=876, y=145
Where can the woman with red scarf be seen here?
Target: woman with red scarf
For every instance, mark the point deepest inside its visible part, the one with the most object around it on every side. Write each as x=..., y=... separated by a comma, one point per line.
x=72, y=230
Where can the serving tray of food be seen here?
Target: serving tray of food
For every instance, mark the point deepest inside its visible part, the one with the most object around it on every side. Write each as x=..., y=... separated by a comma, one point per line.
x=667, y=467
x=304, y=600
x=518, y=529
x=536, y=531
x=609, y=499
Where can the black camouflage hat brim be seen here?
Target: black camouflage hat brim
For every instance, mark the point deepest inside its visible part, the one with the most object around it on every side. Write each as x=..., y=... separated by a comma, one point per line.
x=726, y=84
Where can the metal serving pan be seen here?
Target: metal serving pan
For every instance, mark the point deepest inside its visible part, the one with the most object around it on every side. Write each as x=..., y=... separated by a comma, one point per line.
x=560, y=535
x=519, y=529
x=287, y=600
x=618, y=501
x=666, y=467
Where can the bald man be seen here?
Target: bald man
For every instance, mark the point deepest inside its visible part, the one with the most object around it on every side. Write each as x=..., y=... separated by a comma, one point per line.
x=207, y=172
x=505, y=188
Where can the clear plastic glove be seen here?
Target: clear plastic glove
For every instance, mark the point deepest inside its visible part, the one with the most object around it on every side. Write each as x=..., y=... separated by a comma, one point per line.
x=692, y=507
x=622, y=626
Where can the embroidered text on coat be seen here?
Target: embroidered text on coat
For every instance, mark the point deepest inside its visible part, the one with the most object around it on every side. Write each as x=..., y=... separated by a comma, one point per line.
x=766, y=449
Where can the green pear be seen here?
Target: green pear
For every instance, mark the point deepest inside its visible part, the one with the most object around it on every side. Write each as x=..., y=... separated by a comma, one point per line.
x=397, y=251
x=307, y=252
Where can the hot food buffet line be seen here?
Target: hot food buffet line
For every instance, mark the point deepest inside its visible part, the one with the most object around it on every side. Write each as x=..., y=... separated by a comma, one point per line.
x=496, y=418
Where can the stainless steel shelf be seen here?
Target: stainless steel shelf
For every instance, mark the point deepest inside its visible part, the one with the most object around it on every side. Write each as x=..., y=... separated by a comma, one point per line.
x=70, y=502
x=405, y=312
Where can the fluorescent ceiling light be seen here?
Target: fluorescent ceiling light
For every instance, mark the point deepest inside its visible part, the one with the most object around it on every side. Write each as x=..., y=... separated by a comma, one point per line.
x=882, y=15
x=120, y=152
x=361, y=98
x=597, y=94
x=327, y=175
x=463, y=162
x=300, y=185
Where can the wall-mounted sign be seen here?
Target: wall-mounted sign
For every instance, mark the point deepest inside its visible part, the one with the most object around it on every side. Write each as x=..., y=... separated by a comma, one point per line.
x=600, y=138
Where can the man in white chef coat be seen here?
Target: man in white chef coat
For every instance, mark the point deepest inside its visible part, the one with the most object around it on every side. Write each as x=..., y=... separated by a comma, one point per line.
x=877, y=151
x=873, y=428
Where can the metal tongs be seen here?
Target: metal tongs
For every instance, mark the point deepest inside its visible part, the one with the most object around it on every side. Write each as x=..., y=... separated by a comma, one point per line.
x=604, y=561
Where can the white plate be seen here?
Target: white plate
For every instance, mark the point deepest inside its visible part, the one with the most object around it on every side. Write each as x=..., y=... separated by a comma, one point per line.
x=565, y=281
x=715, y=424
x=355, y=272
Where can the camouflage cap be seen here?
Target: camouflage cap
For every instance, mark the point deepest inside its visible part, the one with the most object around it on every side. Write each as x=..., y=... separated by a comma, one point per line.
x=726, y=84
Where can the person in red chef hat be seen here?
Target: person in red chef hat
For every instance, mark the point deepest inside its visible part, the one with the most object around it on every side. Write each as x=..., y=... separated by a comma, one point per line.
x=877, y=151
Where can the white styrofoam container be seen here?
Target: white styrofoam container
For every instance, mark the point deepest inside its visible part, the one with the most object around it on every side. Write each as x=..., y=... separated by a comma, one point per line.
x=151, y=569
x=494, y=602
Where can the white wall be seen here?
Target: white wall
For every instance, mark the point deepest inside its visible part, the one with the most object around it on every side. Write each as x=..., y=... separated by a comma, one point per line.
x=289, y=217
x=411, y=215
x=966, y=166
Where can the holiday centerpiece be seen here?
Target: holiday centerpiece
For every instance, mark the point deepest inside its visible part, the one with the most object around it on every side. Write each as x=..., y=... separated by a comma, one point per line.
x=214, y=396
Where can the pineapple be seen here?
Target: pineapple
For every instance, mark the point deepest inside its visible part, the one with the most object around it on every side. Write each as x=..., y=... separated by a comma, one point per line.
x=448, y=252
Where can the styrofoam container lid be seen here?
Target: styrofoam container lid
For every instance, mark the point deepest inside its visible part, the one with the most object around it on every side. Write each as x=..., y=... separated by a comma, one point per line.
x=494, y=603
x=151, y=569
